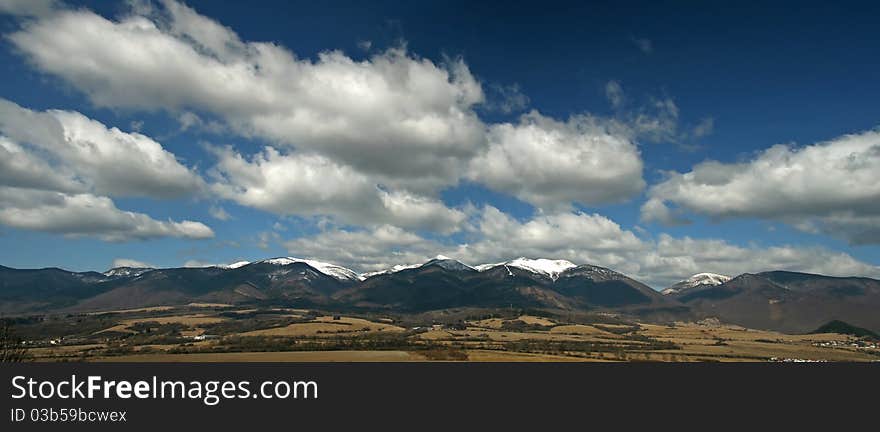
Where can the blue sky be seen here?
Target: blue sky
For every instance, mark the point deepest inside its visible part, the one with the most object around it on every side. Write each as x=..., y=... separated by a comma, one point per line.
x=641, y=95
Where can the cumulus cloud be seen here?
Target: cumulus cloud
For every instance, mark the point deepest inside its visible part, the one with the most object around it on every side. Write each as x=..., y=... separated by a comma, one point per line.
x=573, y=234
x=80, y=154
x=670, y=258
x=551, y=164
x=393, y=114
x=831, y=187
x=84, y=214
x=56, y=168
x=377, y=248
x=397, y=127
x=305, y=184
x=21, y=168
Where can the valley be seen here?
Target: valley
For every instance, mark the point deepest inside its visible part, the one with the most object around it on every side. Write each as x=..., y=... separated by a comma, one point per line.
x=219, y=333
x=289, y=309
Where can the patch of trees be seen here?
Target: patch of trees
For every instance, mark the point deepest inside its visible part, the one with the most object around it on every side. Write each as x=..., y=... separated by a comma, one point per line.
x=12, y=350
x=521, y=326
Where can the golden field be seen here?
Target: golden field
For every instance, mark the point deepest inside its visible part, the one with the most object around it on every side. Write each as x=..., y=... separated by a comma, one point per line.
x=220, y=332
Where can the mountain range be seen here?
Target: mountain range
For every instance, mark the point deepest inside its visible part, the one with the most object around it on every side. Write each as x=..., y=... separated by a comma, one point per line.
x=776, y=300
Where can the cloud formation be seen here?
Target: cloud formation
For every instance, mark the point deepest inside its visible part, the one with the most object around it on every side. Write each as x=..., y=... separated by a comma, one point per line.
x=551, y=164
x=57, y=169
x=80, y=154
x=366, y=146
x=394, y=114
x=831, y=187
x=305, y=184
x=78, y=215
x=398, y=120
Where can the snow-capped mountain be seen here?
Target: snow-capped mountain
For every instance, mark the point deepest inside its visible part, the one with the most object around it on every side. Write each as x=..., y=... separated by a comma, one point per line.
x=395, y=269
x=439, y=260
x=541, y=266
x=697, y=280
x=448, y=264
x=546, y=267
x=332, y=270
x=118, y=272
x=236, y=265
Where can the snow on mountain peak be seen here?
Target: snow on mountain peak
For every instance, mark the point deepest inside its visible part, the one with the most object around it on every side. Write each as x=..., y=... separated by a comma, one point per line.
x=332, y=270
x=696, y=280
x=395, y=269
x=237, y=264
x=448, y=263
x=707, y=279
x=547, y=267
x=126, y=271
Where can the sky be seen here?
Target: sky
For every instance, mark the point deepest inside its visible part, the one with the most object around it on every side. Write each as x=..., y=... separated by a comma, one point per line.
x=654, y=139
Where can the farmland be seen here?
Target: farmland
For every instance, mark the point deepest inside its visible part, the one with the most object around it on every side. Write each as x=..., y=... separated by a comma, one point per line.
x=219, y=332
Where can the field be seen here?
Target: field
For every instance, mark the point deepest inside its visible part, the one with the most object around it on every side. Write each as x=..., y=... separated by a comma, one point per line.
x=219, y=332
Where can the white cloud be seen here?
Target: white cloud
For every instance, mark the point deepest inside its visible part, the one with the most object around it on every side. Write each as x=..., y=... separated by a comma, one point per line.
x=79, y=215
x=21, y=168
x=377, y=248
x=670, y=258
x=56, y=167
x=831, y=187
x=656, y=210
x=313, y=185
x=395, y=128
x=393, y=114
x=551, y=234
x=126, y=262
x=93, y=157
x=551, y=164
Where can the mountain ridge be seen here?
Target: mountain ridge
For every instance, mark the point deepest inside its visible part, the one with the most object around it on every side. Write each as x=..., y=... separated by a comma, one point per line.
x=776, y=300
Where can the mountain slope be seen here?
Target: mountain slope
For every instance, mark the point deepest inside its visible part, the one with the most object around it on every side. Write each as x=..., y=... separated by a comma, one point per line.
x=788, y=302
x=48, y=288
x=332, y=270
x=281, y=279
x=444, y=283
x=778, y=300
x=696, y=281
x=599, y=286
